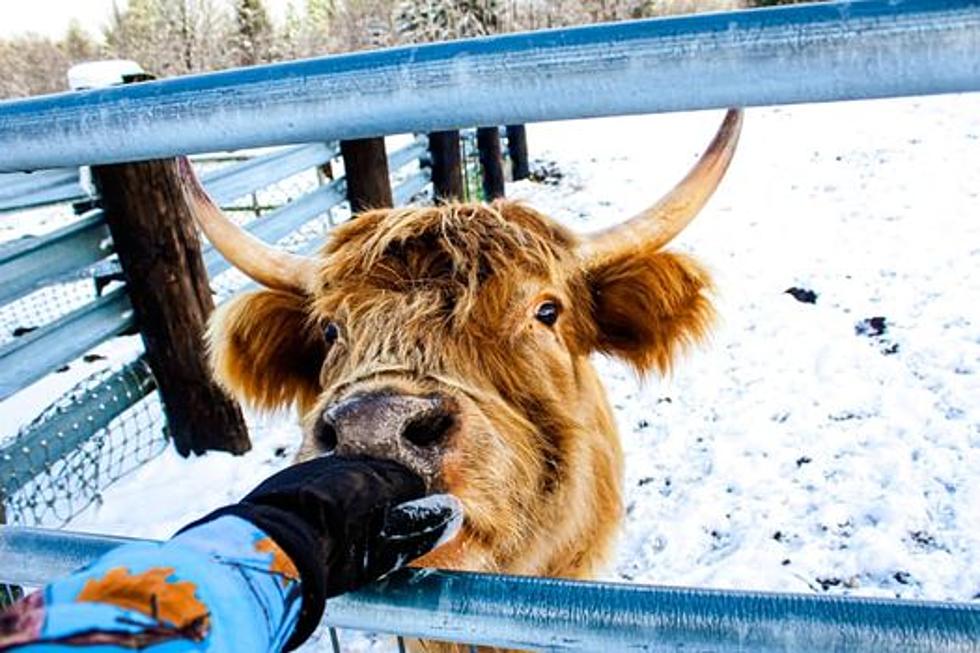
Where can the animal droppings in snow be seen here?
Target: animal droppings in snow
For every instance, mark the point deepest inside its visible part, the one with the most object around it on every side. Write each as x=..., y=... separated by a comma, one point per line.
x=802, y=295
x=545, y=172
x=871, y=327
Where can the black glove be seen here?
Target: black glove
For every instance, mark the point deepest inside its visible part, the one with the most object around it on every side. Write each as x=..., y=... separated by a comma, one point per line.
x=345, y=522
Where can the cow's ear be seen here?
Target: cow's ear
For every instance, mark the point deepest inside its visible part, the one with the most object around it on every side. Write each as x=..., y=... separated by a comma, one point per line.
x=648, y=306
x=266, y=351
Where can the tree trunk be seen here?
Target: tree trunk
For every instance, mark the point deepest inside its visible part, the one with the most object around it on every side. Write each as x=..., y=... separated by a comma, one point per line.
x=156, y=239
x=488, y=142
x=366, y=170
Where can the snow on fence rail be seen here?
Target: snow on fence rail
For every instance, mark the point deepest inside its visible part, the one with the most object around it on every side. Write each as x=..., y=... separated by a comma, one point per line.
x=804, y=53
x=555, y=615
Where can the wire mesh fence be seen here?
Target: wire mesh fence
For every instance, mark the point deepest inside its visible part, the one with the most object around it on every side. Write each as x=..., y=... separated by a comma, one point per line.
x=43, y=306
x=101, y=429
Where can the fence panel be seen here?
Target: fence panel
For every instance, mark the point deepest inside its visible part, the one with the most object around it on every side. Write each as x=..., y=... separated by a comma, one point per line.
x=542, y=613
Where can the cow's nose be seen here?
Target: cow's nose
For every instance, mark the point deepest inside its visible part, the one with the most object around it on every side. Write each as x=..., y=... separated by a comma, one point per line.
x=382, y=424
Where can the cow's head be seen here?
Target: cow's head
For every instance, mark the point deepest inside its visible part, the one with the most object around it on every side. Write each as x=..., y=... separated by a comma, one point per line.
x=456, y=339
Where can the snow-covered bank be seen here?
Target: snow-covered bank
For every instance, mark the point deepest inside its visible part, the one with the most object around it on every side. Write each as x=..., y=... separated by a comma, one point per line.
x=799, y=450
x=808, y=446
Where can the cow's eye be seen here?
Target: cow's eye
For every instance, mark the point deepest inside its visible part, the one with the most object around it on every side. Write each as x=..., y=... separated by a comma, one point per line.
x=547, y=313
x=331, y=332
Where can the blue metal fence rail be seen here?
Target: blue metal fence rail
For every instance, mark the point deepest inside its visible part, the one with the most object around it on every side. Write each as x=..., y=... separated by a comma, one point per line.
x=30, y=263
x=803, y=53
x=557, y=615
x=21, y=190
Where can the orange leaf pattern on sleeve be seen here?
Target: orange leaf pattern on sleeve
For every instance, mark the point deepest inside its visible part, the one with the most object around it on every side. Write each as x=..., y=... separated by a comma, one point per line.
x=151, y=594
x=281, y=563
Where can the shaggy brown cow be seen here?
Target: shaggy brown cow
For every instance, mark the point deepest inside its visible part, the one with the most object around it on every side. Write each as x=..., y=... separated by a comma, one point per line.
x=456, y=339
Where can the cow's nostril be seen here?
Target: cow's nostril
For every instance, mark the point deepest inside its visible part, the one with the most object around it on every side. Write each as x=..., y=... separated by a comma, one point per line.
x=326, y=435
x=428, y=429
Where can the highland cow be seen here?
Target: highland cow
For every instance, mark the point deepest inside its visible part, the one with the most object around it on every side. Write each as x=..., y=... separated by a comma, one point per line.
x=457, y=340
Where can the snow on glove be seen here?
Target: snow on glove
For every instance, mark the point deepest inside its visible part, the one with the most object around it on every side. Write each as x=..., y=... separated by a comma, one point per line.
x=345, y=521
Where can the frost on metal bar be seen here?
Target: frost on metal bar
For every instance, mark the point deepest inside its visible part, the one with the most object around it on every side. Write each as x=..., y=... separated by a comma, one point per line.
x=806, y=53
x=535, y=613
x=21, y=191
x=411, y=152
x=234, y=181
x=32, y=262
x=411, y=187
x=34, y=355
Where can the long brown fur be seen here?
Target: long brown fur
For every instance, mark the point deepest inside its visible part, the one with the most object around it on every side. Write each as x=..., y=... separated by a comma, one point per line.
x=443, y=299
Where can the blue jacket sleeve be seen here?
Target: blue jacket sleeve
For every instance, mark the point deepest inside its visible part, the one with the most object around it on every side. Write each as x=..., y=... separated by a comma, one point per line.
x=222, y=586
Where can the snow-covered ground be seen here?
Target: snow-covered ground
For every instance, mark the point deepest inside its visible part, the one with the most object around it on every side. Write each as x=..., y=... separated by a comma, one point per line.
x=825, y=446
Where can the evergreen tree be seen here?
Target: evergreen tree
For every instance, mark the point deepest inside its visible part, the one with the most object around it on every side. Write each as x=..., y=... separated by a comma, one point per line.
x=253, y=35
x=78, y=45
x=420, y=21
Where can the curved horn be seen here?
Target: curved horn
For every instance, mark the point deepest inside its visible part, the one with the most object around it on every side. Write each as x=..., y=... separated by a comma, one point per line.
x=267, y=265
x=659, y=224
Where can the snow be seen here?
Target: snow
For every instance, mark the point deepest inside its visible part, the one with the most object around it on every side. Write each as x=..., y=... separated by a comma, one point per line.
x=792, y=453
x=797, y=451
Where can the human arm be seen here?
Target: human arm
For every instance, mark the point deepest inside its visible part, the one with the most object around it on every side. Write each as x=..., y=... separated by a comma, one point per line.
x=248, y=577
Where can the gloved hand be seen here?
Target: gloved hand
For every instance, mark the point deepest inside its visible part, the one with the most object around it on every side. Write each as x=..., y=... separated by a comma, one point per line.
x=345, y=521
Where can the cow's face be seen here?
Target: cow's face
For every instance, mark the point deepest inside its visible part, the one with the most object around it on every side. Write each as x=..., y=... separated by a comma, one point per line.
x=455, y=339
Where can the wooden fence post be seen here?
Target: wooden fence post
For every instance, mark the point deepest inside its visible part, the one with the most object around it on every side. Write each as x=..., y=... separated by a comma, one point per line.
x=517, y=149
x=155, y=236
x=488, y=143
x=447, y=172
x=366, y=170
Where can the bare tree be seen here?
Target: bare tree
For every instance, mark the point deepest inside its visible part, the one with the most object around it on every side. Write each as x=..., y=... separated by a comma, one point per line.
x=32, y=65
x=364, y=24
x=171, y=37
x=308, y=29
